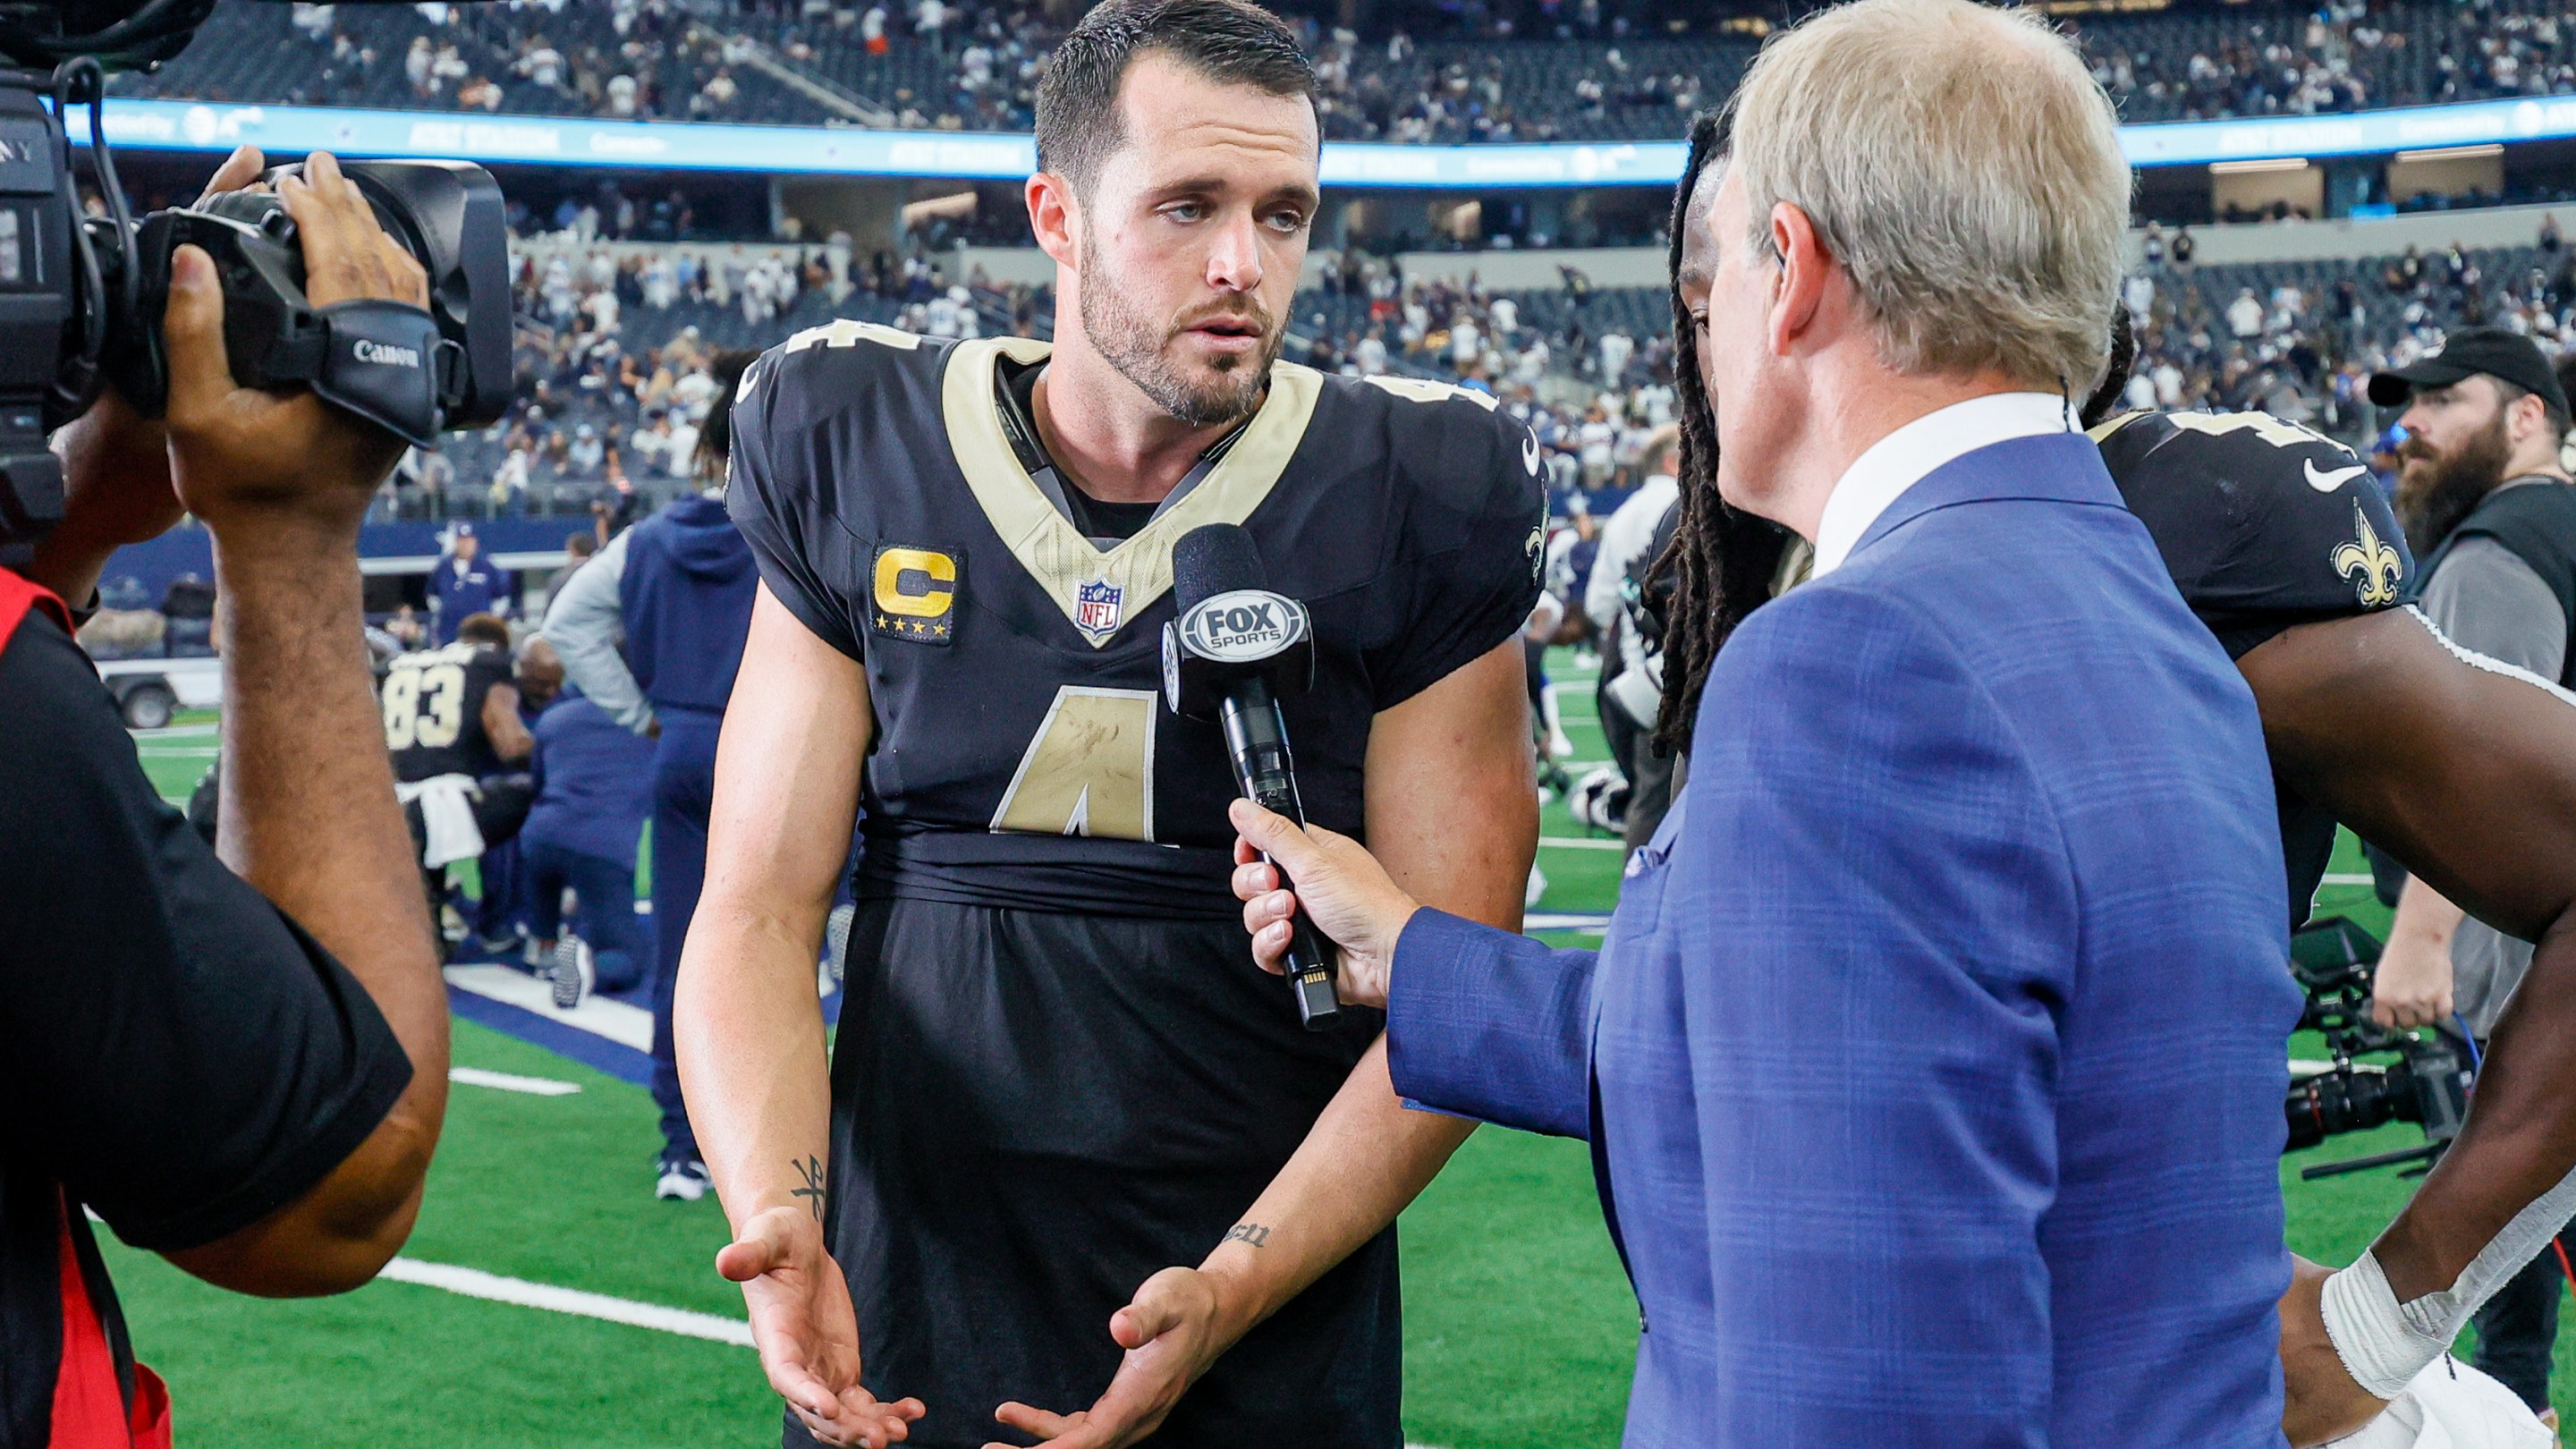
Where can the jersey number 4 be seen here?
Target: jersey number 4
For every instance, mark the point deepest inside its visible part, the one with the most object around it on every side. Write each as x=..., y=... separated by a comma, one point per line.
x=1090, y=768
x=424, y=707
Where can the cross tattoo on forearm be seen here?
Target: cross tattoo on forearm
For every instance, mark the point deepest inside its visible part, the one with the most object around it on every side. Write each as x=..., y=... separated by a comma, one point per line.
x=811, y=1169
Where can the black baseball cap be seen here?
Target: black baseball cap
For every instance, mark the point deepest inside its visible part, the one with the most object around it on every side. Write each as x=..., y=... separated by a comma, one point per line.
x=2499, y=352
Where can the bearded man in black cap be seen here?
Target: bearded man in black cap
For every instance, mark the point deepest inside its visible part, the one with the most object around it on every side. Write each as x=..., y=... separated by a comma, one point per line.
x=2489, y=508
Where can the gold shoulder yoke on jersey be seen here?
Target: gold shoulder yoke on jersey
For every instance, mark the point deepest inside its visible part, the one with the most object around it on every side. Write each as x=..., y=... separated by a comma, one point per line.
x=1047, y=544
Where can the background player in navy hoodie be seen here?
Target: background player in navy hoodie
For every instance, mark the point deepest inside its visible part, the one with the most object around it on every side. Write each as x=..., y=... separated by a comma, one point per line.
x=676, y=590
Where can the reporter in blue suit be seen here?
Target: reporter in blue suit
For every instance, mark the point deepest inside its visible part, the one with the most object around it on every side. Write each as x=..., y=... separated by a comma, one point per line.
x=1933, y=1064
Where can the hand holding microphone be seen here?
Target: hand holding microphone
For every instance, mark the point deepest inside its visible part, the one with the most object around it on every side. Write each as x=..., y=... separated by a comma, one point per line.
x=1340, y=890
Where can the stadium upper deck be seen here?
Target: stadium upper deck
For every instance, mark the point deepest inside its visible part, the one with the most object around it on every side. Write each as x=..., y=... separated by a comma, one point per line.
x=1478, y=72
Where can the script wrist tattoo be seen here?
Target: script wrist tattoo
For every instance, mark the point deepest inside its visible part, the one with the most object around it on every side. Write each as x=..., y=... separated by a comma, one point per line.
x=811, y=1169
x=1251, y=1235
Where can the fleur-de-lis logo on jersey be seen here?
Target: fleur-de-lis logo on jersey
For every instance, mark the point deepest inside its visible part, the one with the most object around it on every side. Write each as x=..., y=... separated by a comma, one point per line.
x=2374, y=567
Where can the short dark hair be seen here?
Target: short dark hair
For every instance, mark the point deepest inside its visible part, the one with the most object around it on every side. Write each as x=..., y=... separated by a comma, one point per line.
x=1229, y=41
x=483, y=629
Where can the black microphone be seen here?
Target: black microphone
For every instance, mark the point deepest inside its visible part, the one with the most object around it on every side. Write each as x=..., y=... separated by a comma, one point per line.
x=1231, y=653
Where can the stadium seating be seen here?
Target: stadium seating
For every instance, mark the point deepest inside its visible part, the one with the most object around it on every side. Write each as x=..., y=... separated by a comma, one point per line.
x=2264, y=57
x=2320, y=326
x=358, y=56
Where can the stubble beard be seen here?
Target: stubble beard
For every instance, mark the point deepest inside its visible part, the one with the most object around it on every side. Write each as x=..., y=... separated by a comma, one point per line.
x=1137, y=347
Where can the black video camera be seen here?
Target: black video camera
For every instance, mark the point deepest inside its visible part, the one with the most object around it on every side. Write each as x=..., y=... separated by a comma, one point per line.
x=81, y=298
x=2427, y=1083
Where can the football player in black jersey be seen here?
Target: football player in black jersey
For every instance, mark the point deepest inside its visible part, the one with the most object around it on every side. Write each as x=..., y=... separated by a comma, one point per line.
x=455, y=710
x=1057, y=1073
x=2280, y=541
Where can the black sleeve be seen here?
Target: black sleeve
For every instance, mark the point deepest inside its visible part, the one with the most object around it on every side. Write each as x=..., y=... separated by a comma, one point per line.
x=775, y=498
x=1472, y=556
x=2263, y=524
x=184, y=1057
x=489, y=666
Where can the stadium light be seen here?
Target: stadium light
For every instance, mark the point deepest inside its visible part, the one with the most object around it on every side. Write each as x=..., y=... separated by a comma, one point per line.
x=2453, y=153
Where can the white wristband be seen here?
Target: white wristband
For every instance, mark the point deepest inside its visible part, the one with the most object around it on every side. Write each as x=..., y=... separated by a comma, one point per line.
x=2373, y=1333
x=2385, y=1343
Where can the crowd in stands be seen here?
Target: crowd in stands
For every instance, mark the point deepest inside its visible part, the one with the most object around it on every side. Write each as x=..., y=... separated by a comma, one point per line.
x=615, y=340
x=616, y=59
x=2299, y=339
x=612, y=355
x=1474, y=71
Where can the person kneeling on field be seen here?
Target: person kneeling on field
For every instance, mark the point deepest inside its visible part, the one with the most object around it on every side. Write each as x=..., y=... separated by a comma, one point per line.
x=594, y=781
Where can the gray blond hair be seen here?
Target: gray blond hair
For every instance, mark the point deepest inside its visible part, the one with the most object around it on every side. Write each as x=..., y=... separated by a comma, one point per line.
x=1962, y=165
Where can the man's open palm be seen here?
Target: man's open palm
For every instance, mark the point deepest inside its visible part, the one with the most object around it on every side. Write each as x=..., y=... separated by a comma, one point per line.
x=1169, y=1335
x=807, y=1332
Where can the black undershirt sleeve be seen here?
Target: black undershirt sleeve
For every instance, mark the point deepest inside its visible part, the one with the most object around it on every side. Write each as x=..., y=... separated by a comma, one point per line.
x=172, y=1047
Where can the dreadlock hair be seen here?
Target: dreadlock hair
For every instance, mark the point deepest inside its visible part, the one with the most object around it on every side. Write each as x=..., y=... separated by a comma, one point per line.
x=1721, y=559
x=715, y=435
x=2106, y=399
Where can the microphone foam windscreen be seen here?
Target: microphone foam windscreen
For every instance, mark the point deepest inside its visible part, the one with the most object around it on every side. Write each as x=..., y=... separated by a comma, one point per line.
x=1214, y=559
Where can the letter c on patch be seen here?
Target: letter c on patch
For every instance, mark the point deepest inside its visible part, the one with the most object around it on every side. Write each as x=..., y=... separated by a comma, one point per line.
x=916, y=583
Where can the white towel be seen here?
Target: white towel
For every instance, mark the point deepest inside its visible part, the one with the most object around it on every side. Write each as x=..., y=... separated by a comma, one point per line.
x=2453, y=1406
x=446, y=817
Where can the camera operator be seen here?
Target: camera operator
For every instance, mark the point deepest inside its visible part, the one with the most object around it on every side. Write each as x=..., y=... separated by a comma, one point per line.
x=235, y=1057
x=2490, y=505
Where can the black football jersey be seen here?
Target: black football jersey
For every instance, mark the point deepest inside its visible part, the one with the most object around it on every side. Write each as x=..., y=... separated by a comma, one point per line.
x=2264, y=526
x=433, y=710
x=1022, y=753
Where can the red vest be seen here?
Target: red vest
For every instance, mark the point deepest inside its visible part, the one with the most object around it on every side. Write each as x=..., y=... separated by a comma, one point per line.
x=90, y=1411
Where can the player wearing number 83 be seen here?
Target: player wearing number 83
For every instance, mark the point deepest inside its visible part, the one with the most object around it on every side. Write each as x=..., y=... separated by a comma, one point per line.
x=1056, y=1074
x=452, y=724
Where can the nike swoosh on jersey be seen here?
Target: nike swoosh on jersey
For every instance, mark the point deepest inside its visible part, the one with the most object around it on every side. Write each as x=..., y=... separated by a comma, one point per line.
x=2328, y=482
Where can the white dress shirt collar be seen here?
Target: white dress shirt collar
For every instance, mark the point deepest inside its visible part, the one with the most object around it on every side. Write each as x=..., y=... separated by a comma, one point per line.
x=1907, y=456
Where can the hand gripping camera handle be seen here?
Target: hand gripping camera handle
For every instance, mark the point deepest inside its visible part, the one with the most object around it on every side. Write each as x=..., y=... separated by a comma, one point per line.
x=1256, y=740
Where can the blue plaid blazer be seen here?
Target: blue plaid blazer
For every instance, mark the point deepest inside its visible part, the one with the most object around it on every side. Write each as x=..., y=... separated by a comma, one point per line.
x=1933, y=1064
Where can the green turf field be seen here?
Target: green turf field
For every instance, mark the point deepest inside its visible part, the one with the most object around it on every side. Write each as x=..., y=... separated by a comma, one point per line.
x=1519, y=1327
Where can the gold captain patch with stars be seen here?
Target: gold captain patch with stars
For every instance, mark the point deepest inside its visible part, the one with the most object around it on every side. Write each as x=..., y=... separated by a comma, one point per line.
x=912, y=593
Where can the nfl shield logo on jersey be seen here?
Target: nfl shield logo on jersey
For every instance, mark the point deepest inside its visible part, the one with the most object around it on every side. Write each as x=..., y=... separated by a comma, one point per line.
x=1096, y=607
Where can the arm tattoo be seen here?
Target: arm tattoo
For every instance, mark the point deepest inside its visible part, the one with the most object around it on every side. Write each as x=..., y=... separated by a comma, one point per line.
x=811, y=1169
x=1249, y=1234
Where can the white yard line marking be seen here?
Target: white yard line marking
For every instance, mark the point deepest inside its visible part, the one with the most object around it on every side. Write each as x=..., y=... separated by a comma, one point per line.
x=492, y=1287
x=176, y=732
x=506, y=1082
x=1567, y=842
x=2346, y=878
x=1592, y=921
x=626, y=1025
